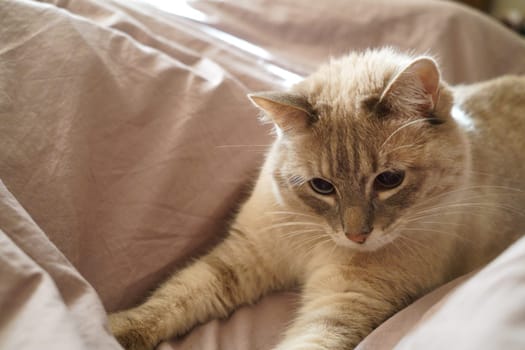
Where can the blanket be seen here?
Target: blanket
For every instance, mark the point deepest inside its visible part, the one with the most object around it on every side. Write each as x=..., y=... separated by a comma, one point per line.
x=126, y=142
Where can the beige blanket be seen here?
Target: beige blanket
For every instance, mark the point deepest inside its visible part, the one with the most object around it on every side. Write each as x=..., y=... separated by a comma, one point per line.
x=126, y=140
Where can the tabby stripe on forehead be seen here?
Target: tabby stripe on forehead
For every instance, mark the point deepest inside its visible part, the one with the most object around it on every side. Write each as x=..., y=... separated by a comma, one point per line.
x=330, y=157
x=328, y=154
x=373, y=158
x=342, y=161
x=357, y=156
x=333, y=153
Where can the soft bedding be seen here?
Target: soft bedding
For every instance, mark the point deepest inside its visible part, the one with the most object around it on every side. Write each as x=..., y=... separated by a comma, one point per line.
x=126, y=142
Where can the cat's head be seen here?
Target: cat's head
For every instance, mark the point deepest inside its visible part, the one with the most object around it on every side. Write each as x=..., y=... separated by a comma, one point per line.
x=363, y=143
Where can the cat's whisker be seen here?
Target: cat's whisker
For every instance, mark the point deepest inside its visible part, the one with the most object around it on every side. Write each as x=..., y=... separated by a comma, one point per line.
x=303, y=234
x=500, y=178
x=450, y=212
x=416, y=143
x=400, y=147
x=293, y=213
x=495, y=188
x=412, y=246
x=294, y=234
x=401, y=128
x=482, y=187
x=441, y=214
x=297, y=232
x=435, y=222
x=307, y=245
x=420, y=250
x=486, y=197
x=395, y=244
x=484, y=173
x=292, y=228
x=260, y=149
x=312, y=231
x=321, y=243
x=303, y=239
x=255, y=151
x=416, y=245
x=288, y=224
x=464, y=202
x=432, y=210
x=477, y=205
x=333, y=249
x=308, y=241
x=433, y=231
x=328, y=241
x=240, y=146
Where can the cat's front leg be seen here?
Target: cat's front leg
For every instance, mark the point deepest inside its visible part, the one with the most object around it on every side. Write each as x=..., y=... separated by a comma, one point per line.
x=234, y=273
x=339, y=308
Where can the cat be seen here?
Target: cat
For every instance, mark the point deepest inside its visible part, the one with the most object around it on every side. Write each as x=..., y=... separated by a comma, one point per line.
x=382, y=183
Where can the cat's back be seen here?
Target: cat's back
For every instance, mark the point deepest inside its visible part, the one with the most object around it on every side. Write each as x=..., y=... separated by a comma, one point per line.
x=496, y=109
x=496, y=104
x=493, y=115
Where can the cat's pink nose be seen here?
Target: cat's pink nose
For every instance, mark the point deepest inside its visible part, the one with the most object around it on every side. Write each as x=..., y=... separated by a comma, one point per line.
x=359, y=238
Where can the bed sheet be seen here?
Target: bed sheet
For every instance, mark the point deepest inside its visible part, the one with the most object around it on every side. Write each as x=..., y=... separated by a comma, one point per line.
x=126, y=141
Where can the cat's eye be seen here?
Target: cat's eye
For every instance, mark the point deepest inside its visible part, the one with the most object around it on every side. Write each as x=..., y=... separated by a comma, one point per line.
x=388, y=180
x=321, y=186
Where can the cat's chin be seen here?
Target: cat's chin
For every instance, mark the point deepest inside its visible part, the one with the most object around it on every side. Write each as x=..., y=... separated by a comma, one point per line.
x=376, y=240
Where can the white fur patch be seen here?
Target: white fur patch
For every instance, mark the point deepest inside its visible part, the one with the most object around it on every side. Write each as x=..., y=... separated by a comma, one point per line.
x=462, y=118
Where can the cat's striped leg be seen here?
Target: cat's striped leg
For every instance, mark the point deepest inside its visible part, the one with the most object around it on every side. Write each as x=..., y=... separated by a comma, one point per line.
x=234, y=273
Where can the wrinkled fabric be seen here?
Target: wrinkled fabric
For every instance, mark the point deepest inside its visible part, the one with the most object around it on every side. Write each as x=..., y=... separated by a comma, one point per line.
x=44, y=302
x=486, y=312
x=126, y=142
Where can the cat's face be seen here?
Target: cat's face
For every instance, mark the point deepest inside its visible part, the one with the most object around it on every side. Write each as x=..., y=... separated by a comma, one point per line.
x=365, y=164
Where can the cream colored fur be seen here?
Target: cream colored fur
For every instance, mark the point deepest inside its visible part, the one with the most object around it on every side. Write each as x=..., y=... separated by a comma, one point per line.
x=459, y=205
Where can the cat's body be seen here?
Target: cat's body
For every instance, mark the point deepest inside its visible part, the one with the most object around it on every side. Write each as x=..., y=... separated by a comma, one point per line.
x=404, y=198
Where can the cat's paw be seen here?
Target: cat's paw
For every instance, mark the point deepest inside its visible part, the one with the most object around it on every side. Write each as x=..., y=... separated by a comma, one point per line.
x=130, y=333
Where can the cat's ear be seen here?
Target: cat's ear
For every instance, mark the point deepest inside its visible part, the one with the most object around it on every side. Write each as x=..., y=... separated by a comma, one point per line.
x=417, y=85
x=290, y=112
